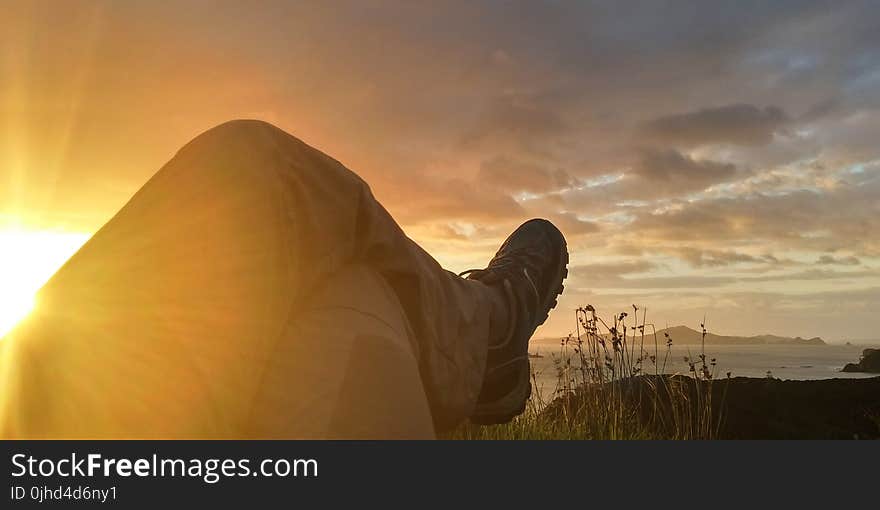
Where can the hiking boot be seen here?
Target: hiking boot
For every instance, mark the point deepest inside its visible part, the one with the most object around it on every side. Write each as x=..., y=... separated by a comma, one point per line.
x=530, y=267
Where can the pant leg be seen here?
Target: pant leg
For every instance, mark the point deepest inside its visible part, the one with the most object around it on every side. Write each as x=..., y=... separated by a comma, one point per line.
x=161, y=325
x=331, y=218
x=344, y=368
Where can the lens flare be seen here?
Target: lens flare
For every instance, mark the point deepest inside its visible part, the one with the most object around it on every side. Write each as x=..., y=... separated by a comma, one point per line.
x=28, y=258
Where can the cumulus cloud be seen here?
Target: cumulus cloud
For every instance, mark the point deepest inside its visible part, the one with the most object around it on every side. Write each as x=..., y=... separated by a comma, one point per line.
x=844, y=217
x=653, y=175
x=827, y=260
x=509, y=121
x=457, y=199
x=571, y=225
x=618, y=268
x=738, y=124
x=697, y=257
x=608, y=274
x=516, y=176
x=670, y=169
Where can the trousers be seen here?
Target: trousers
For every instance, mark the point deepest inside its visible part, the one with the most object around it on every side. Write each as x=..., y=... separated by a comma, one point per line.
x=252, y=288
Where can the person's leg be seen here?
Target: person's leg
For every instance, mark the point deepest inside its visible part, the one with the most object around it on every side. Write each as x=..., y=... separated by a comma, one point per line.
x=163, y=323
x=329, y=217
x=344, y=368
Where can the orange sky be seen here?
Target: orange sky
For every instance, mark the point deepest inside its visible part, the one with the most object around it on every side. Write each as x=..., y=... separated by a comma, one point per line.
x=718, y=161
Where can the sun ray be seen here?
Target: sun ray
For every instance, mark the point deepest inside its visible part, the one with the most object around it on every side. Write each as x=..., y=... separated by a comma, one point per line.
x=78, y=85
x=28, y=258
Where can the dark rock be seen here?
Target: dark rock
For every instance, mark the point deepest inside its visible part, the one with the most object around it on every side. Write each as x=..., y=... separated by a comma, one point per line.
x=763, y=408
x=869, y=362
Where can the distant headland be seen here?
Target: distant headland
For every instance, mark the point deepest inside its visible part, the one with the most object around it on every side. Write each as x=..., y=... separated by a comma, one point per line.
x=683, y=335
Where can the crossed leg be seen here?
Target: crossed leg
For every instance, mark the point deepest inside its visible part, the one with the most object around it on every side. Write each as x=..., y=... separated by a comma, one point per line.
x=344, y=368
x=252, y=288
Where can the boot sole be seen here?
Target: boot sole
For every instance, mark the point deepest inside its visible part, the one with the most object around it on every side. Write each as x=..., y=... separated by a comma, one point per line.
x=561, y=274
x=511, y=405
x=514, y=403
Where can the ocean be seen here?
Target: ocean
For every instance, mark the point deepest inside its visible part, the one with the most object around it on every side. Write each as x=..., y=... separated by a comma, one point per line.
x=800, y=362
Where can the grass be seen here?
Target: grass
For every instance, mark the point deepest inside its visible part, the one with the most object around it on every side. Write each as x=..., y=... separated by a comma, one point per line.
x=612, y=384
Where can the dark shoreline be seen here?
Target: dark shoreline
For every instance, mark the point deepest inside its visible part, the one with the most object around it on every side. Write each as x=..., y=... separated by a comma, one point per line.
x=769, y=408
x=816, y=409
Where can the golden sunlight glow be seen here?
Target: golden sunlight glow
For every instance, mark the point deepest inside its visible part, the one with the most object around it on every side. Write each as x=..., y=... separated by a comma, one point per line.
x=27, y=260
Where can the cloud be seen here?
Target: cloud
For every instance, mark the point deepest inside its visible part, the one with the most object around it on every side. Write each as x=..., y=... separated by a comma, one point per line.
x=608, y=274
x=717, y=258
x=671, y=170
x=514, y=120
x=517, y=176
x=814, y=275
x=827, y=260
x=606, y=278
x=446, y=199
x=619, y=268
x=653, y=175
x=571, y=225
x=700, y=137
x=737, y=124
x=844, y=216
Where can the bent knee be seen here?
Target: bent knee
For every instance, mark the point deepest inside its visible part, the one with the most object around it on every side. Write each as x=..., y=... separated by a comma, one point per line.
x=249, y=139
x=239, y=127
x=233, y=133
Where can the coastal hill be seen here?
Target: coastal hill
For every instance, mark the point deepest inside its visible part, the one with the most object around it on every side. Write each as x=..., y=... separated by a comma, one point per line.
x=684, y=335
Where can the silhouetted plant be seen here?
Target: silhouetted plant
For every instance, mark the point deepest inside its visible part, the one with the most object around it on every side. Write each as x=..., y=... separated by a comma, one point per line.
x=603, y=391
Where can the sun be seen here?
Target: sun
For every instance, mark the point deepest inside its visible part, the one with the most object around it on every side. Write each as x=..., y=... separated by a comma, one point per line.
x=28, y=258
x=12, y=310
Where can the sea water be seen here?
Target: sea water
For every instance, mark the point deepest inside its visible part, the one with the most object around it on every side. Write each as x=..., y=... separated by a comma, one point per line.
x=799, y=362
